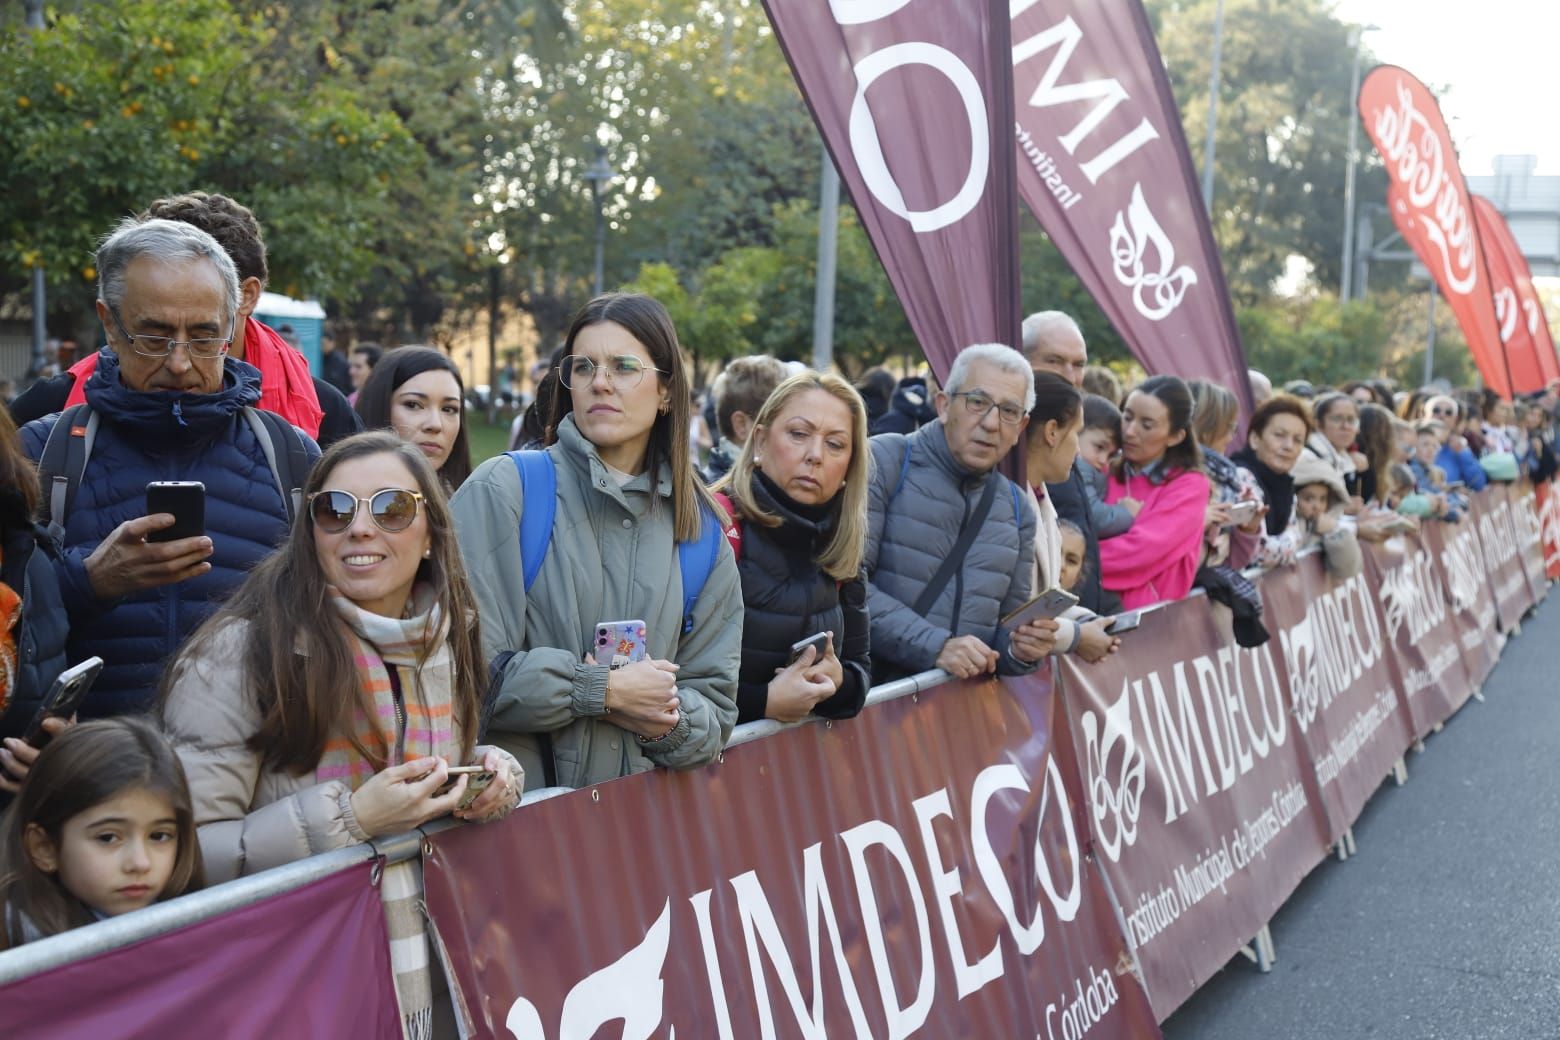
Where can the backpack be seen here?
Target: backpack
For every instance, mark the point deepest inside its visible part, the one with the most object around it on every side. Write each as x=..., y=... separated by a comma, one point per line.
x=65, y=455
x=539, y=485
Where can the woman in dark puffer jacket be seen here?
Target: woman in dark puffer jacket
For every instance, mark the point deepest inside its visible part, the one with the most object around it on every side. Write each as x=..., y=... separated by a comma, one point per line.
x=798, y=494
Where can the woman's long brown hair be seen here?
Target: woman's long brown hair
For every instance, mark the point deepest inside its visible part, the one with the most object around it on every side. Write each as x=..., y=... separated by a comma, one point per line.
x=298, y=659
x=647, y=321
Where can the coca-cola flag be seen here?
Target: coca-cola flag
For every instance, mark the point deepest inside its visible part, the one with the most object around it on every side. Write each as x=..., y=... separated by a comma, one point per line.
x=1429, y=202
x=914, y=99
x=1524, y=329
x=1103, y=164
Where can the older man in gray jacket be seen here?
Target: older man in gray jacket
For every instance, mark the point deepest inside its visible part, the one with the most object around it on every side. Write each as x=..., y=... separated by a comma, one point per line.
x=950, y=541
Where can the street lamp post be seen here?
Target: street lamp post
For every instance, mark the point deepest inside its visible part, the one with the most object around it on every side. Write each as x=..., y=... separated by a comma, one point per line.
x=1213, y=108
x=599, y=174
x=1346, y=288
x=40, y=333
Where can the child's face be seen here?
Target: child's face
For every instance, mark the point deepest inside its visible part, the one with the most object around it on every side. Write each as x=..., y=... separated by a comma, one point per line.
x=1072, y=558
x=1311, y=501
x=115, y=857
x=1426, y=448
x=1096, y=446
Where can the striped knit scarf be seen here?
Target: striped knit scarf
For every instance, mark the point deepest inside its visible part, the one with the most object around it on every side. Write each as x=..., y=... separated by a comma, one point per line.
x=382, y=644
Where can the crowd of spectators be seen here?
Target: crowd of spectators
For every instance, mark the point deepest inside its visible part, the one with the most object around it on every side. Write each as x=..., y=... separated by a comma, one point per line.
x=349, y=645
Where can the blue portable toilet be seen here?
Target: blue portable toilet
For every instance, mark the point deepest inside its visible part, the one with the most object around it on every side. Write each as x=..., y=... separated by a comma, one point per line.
x=306, y=317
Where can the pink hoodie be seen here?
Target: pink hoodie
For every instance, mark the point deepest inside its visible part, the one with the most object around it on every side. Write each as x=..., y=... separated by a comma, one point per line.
x=1156, y=559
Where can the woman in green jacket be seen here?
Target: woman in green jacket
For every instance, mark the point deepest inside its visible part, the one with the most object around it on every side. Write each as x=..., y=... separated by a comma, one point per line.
x=626, y=496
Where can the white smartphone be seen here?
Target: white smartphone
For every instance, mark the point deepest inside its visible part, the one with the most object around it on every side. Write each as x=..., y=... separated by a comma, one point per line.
x=1242, y=512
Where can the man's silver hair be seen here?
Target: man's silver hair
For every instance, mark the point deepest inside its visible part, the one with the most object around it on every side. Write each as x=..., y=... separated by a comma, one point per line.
x=1000, y=355
x=1042, y=325
x=168, y=242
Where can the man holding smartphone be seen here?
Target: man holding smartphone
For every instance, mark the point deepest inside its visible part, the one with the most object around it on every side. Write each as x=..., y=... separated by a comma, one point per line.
x=164, y=404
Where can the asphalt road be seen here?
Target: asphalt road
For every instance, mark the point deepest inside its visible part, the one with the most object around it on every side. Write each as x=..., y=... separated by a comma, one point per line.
x=1446, y=925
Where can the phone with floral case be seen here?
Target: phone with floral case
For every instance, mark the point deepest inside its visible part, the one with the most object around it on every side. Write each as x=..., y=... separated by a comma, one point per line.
x=619, y=643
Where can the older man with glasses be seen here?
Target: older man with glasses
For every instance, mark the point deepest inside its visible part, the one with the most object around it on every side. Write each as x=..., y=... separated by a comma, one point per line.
x=950, y=541
x=165, y=403
x=1454, y=458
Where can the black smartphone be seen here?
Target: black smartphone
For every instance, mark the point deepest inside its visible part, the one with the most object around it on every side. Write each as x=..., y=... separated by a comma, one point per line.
x=1124, y=622
x=186, y=500
x=63, y=698
x=819, y=643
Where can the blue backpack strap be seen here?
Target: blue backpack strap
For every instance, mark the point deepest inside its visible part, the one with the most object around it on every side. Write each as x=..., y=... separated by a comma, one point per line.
x=539, y=489
x=696, y=561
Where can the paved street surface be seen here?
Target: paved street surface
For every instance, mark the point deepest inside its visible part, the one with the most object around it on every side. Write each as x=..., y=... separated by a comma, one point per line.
x=1445, y=925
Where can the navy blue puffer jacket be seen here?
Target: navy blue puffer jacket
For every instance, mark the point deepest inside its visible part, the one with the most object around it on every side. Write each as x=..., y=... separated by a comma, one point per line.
x=28, y=567
x=144, y=437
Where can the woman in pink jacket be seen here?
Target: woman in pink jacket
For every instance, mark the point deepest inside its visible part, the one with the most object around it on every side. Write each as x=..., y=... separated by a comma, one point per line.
x=1161, y=466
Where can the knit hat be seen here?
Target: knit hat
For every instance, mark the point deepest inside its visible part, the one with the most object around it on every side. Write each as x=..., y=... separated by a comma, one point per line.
x=1312, y=470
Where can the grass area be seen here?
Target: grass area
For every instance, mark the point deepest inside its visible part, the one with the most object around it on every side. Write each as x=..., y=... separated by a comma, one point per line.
x=487, y=441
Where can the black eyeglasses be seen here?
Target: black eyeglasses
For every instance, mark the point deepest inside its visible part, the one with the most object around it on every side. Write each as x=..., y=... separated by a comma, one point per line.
x=977, y=403
x=393, y=509
x=162, y=346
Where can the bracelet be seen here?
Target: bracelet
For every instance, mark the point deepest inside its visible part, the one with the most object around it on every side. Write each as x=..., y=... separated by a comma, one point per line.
x=606, y=709
x=681, y=716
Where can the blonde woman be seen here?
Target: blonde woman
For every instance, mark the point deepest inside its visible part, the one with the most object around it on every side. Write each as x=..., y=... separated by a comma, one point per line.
x=798, y=496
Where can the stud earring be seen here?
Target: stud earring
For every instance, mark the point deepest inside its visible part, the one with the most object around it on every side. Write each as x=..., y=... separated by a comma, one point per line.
x=427, y=554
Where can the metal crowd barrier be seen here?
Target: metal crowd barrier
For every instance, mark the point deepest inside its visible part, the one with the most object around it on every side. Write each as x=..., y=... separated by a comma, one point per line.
x=162, y=918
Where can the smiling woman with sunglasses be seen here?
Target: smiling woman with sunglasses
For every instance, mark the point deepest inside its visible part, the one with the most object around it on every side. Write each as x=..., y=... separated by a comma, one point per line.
x=324, y=705
x=623, y=496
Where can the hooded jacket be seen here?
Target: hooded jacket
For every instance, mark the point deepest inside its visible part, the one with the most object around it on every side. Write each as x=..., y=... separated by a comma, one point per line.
x=612, y=557
x=144, y=437
x=1341, y=545
x=909, y=533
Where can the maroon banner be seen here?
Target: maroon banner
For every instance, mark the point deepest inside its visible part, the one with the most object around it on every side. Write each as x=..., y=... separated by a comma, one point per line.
x=1349, y=706
x=1204, y=808
x=1409, y=577
x=1524, y=330
x=1428, y=199
x=915, y=100
x=1530, y=538
x=1103, y=165
x=1501, y=534
x=1548, y=496
x=314, y=962
x=918, y=870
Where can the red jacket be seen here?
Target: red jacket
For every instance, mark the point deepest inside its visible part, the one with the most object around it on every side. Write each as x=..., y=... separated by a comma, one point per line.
x=1157, y=557
x=286, y=387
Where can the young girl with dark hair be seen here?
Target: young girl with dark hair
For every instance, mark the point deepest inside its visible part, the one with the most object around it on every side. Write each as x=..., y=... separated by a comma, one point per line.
x=1160, y=466
x=102, y=827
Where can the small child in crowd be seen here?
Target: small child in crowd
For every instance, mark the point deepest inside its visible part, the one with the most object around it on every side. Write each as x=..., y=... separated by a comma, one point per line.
x=1320, y=500
x=1073, y=555
x=1429, y=478
x=1405, y=497
x=1099, y=440
x=103, y=826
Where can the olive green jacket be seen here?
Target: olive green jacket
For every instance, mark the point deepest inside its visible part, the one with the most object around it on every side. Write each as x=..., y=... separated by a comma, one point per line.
x=612, y=558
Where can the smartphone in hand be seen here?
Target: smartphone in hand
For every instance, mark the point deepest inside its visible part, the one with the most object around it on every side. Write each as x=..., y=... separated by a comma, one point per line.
x=62, y=700
x=819, y=642
x=186, y=500
x=619, y=643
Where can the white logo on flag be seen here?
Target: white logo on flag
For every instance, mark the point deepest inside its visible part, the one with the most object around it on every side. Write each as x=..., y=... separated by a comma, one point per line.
x=1115, y=796
x=1156, y=292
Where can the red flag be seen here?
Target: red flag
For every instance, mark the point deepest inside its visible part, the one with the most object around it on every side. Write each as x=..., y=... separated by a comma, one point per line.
x=1523, y=327
x=1103, y=164
x=1429, y=202
x=915, y=102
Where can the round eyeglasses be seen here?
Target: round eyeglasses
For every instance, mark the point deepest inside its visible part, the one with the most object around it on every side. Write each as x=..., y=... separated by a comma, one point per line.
x=392, y=509
x=624, y=371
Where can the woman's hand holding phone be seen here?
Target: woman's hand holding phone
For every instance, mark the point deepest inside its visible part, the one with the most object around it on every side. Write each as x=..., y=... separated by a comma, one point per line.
x=827, y=668
x=642, y=698
x=499, y=797
x=797, y=688
x=404, y=797
x=17, y=756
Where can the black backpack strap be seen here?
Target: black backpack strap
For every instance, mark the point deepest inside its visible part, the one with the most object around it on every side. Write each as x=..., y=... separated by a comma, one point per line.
x=63, y=462
x=284, y=452
x=961, y=548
